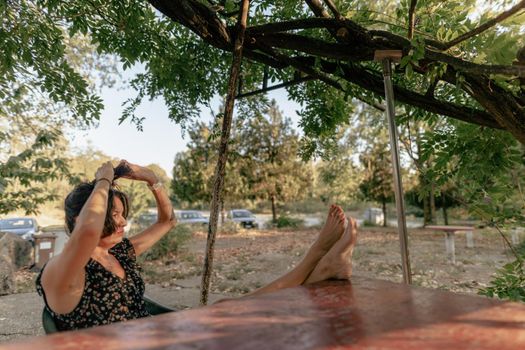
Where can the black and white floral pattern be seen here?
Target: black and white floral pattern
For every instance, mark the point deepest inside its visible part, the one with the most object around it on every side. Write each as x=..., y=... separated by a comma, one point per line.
x=107, y=298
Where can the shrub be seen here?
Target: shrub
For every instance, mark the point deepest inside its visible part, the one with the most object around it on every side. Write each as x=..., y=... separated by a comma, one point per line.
x=287, y=221
x=170, y=244
x=229, y=227
x=367, y=223
x=306, y=206
x=509, y=283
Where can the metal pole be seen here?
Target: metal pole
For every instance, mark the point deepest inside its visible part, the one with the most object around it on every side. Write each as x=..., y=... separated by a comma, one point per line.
x=398, y=185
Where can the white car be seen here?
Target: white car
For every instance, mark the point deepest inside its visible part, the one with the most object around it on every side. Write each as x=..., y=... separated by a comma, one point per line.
x=243, y=217
x=191, y=217
x=23, y=227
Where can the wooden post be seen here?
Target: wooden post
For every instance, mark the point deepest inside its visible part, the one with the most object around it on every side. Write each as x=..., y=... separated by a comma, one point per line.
x=218, y=182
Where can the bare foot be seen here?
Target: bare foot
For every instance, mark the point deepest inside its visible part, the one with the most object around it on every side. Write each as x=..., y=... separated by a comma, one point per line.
x=332, y=229
x=337, y=263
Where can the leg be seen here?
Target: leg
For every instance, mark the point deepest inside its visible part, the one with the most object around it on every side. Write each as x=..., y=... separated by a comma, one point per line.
x=337, y=262
x=329, y=235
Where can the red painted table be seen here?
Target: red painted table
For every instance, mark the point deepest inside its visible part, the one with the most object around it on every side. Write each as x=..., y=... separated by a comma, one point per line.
x=364, y=314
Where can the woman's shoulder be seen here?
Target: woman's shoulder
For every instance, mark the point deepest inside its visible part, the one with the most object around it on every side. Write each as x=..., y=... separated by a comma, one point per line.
x=124, y=247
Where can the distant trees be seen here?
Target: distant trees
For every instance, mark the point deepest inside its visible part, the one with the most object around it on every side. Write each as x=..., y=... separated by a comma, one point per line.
x=377, y=184
x=82, y=167
x=268, y=147
x=264, y=162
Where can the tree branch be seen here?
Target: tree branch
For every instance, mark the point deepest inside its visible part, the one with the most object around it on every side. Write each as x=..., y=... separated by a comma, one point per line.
x=307, y=69
x=411, y=19
x=303, y=23
x=317, y=47
x=334, y=9
x=501, y=17
x=374, y=82
x=199, y=18
x=268, y=38
x=317, y=8
x=466, y=66
x=275, y=87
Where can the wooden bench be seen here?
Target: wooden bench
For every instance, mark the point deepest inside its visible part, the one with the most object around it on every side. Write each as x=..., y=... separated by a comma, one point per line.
x=363, y=314
x=450, y=232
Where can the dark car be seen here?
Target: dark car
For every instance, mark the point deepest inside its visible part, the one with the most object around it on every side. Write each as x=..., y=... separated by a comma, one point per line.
x=191, y=217
x=23, y=227
x=243, y=217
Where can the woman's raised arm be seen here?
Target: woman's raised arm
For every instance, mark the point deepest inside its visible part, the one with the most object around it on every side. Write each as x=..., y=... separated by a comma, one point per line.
x=66, y=271
x=166, y=218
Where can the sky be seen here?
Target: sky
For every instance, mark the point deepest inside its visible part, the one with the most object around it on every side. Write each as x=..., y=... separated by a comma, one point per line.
x=160, y=139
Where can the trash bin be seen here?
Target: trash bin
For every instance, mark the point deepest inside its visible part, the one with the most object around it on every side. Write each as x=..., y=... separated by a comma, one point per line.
x=44, y=248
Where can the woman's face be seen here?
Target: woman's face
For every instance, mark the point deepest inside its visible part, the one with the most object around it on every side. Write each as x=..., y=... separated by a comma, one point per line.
x=120, y=222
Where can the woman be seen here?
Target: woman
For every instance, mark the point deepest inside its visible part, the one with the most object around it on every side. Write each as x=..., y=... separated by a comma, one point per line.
x=95, y=280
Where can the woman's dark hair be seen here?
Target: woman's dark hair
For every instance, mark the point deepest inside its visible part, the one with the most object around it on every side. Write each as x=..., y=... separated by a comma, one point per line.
x=76, y=199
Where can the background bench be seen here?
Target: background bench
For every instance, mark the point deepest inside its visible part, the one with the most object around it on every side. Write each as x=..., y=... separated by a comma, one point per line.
x=449, y=238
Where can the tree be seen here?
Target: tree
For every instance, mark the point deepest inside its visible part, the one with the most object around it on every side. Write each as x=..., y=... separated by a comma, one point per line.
x=339, y=174
x=339, y=51
x=193, y=169
x=264, y=162
x=454, y=66
x=377, y=183
x=82, y=167
x=40, y=89
x=270, y=163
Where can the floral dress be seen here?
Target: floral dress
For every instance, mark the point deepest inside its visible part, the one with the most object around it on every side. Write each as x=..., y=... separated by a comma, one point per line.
x=107, y=298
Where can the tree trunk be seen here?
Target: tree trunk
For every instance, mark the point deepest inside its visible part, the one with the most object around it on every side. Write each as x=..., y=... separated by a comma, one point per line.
x=274, y=209
x=426, y=211
x=384, y=213
x=444, y=205
x=222, y=210
x=432, y=204
x=218, y=182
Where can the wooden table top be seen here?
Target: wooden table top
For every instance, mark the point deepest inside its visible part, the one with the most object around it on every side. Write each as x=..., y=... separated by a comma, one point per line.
x=363, y=314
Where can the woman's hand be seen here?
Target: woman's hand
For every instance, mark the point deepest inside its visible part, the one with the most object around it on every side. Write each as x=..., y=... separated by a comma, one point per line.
x=105, y=171
x=139, y=173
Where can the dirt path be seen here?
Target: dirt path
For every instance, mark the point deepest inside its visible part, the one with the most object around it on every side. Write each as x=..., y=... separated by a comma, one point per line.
x=250, y=259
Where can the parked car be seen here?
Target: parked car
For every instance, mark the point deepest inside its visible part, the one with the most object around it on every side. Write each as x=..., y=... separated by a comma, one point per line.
x=191, y=217
x=243, y=217
x=141, y=221
x=24, y=227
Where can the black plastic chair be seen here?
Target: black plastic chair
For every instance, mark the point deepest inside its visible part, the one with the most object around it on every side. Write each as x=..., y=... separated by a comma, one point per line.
x=152, y=306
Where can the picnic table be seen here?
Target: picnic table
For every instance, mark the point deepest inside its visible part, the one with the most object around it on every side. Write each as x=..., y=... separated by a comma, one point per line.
x=450, y=232
x=361, y=314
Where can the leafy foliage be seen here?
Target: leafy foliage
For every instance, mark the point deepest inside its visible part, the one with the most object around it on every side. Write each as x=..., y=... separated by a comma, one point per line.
x=264, y=164
x=170, y=244
x=287, y=221
x=269, y=146
x=508, y=283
